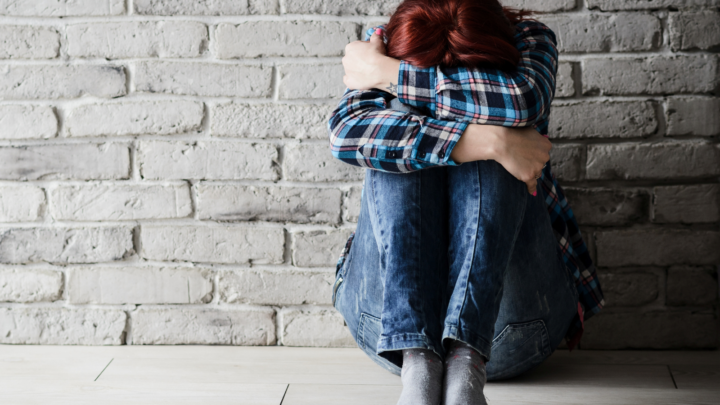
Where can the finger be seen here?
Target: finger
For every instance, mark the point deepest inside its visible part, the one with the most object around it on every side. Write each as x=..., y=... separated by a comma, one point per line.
x=377, y=42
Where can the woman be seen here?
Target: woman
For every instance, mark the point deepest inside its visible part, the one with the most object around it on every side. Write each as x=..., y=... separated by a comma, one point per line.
x=466, y=263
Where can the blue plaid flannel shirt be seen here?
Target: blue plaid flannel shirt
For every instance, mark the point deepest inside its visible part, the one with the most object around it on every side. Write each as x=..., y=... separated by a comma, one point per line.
x=365, y=132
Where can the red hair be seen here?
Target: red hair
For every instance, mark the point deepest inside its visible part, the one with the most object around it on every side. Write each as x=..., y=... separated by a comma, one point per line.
x=454, y=32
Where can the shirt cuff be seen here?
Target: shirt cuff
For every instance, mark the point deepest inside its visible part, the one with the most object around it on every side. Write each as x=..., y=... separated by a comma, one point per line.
x=436, y=141
x=416, y=86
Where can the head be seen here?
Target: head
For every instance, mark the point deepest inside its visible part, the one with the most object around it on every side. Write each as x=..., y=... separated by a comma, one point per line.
x=454, y=32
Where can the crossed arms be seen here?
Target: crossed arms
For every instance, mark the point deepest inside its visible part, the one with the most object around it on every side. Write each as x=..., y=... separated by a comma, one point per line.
x=365, y=132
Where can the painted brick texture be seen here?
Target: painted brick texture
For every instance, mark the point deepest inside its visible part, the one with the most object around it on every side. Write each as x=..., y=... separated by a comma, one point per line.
x=165, y=176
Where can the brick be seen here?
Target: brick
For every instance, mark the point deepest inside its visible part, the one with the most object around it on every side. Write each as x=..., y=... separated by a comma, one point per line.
x=622, y=32
x=61, y=8
x=564, y=83
x=65, y=245
x=229, y=160
x=118, y=201
x=314, y=327
x=352, y=204
x=203, y=79
x=318, y=248
x=610, y=5
x=161, y=117
x=657, y=247
x=253, y=203
x=541, y=6
x=693, y=116
x=695, y=286
x=651, y=330
x=314, y=162
x=299, y=121
x=194, y=7
x=606, y=206
x=136, y=39
x=213, y=243
x=604, y=119
x=21, y=203
x=62, y=326
x=30, y=284
x=27, y=121
x=139, y=285
x=323, y=80
x=284, y=38
x=275, y=287
x=22, y=81
x=686, y=204
x=28, y=42
x=653, y=161
x=566, y=161
x=652, y=75
x=341, y=7
x=165, y=325
x=630, y=287
x=694, y=30
x=60, y=162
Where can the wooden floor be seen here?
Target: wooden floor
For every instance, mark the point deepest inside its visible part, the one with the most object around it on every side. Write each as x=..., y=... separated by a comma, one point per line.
x=219, y=375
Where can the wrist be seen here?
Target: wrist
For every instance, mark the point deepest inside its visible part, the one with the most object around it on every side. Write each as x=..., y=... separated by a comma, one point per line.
x=387, y=78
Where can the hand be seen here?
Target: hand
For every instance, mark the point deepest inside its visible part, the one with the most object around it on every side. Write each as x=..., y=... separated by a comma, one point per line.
x=524, y=152
x=521, y=151
x=367, y=66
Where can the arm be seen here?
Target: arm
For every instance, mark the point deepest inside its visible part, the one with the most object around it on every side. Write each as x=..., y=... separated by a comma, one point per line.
x=363, y=118
x=365, y=132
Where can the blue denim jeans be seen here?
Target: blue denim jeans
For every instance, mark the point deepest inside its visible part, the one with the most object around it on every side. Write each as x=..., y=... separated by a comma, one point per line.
x=462, y=253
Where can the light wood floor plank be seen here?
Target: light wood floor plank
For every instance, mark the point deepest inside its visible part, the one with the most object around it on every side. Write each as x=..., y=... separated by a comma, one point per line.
x=319, y=394
x=253, y=366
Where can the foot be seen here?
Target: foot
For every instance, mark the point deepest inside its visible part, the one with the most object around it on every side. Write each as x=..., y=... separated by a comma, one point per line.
x=465, y=376
x=421, y=375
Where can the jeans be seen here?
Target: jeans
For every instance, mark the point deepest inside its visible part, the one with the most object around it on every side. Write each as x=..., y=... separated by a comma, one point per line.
x=463, y=253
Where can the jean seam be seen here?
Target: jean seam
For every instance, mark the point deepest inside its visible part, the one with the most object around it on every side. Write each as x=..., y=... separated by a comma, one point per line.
x=375, y=211
x=477, y=225
x=515, y=236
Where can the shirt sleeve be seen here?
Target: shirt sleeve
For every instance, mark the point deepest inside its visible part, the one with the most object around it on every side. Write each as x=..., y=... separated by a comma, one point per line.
x=365, y=132
x=517, y=98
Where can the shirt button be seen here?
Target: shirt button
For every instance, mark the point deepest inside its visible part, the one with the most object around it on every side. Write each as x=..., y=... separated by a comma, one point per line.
x=391, y=154
x=441, y=154
x=422, y=154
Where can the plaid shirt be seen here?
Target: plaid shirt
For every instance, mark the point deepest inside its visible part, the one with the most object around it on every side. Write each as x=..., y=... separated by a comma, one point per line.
x=365, y=132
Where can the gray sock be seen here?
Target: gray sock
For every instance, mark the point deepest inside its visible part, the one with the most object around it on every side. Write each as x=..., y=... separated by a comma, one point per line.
x=465, y=376
x=421, y=377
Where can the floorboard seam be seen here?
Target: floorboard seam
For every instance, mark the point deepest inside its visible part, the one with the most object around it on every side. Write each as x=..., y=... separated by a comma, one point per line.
x=103, y=370
x=672, y=376
x=284, y=393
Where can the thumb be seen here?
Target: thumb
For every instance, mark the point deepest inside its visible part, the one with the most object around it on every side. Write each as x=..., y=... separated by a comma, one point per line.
x=377, y=41
x=532, y=187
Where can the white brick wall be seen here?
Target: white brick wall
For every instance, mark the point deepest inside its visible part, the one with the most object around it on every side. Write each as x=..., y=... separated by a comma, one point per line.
x=165, y=176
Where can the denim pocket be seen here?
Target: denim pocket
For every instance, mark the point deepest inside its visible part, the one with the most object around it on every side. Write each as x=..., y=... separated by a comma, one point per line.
x=518, y=348
x=368, y=335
